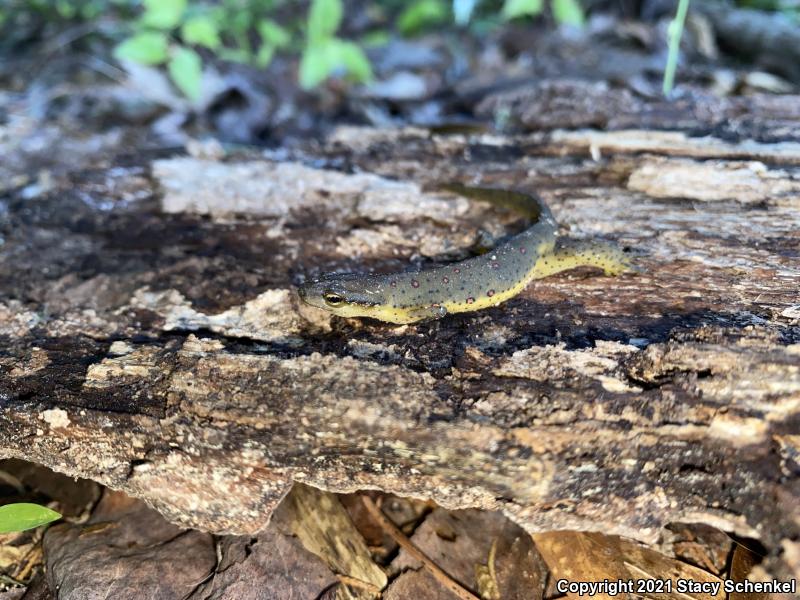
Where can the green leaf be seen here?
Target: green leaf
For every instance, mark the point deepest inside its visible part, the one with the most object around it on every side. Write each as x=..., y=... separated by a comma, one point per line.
x=355, y=61
x=421, y=14
x=315, y=66
x=273, y=34
x=324, y=18
x=520, y=8
x=201, y=30
x=147, y=48
x=321, y=60
x=22, y=516
x=186, y=70
x=237, y=55
x=375, y=39
x=237, y=22
x=568, y=12
x=92, y=10
x=66, y=9
x=163, y=14
x=264, y=56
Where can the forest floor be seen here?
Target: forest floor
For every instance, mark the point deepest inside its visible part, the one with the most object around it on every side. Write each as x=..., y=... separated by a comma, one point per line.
x=164, y=389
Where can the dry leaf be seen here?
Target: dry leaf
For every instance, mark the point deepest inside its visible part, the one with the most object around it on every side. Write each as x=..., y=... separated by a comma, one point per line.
x=323, y=526
x=591, y=558
x=11, y=555
x=701, y=545
x=742, y=564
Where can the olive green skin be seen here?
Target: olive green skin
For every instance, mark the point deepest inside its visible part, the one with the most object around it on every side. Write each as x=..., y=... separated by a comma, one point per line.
x=468, y=285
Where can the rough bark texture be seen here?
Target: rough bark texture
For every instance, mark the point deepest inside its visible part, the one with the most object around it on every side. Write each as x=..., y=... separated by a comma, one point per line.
x=151, y=339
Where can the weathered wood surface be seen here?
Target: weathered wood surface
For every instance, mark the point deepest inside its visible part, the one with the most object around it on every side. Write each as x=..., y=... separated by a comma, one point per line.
x=152, y=341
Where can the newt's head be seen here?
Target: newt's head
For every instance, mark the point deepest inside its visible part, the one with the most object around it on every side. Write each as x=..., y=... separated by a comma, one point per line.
x=344, y=295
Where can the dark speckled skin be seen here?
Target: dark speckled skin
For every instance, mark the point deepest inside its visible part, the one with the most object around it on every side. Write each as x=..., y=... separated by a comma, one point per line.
x=468, y=285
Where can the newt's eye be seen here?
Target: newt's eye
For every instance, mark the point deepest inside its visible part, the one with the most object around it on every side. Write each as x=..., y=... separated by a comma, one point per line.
x=332, y=299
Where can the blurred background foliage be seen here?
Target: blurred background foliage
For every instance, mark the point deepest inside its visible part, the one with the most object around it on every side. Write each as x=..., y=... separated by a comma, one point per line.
x=181, y=36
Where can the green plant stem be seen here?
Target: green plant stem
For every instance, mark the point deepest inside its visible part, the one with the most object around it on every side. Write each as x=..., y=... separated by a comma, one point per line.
x=674, y=34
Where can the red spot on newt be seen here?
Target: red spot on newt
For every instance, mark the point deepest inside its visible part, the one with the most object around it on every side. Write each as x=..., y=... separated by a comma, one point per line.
x=414, y=283
x=490, y=293
x=470, y=300
x=445, y=280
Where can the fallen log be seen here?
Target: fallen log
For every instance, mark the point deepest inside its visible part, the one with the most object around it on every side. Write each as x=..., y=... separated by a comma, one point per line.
x=152, y=340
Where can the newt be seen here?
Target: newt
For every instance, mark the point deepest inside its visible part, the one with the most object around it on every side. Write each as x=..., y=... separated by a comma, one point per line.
x=472, y=284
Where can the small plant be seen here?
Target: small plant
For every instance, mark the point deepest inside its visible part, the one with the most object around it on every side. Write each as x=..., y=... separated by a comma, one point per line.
x=325, y=53
x=674, y=40
x=150, y=43
x=565, y=12
x=24, y=515
x=179, y=34
x=423, y=14
x=174, y=33
x=168, y=32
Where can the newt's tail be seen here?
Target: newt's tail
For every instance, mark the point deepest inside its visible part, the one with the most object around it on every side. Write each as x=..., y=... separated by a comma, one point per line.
x=568, y=254
x=527, y=204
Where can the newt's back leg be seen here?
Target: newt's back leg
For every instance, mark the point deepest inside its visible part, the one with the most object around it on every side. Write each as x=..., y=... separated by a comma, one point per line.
x=569, y=254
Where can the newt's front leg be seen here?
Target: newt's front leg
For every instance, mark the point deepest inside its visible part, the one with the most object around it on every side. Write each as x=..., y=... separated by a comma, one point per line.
x=427, y=313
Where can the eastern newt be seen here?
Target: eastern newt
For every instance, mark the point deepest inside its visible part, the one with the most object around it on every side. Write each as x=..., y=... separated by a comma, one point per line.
x=471, y=284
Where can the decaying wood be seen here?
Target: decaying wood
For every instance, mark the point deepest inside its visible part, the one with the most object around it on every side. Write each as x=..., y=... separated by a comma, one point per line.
x=152, y=340
x=569, y=104
x=763, y=37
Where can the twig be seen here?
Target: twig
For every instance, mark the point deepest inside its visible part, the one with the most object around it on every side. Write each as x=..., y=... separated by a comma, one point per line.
x=406, y=544
x=357, y=583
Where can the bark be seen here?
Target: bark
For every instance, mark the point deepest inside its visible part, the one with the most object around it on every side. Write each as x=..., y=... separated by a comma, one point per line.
x=152, y=340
